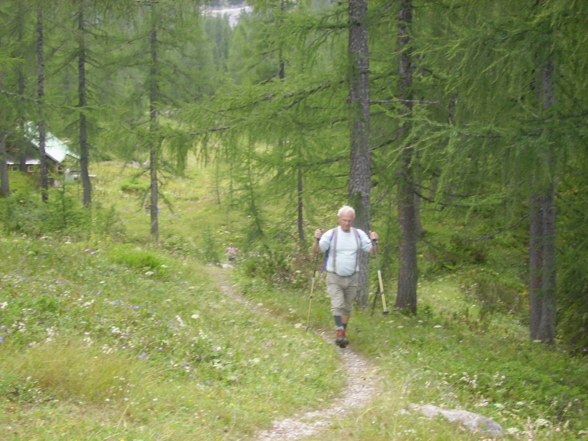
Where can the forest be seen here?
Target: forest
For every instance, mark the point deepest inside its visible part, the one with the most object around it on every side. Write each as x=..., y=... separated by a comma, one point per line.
x=469, y=110
x=457, y=129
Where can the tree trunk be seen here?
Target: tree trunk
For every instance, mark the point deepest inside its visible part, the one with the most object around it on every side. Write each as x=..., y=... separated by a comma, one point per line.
x=542, y=250
x=359, y=98
x=41, y=95
x=406, y=299
x=84, y=154
x=300, y=204
x=153, y=121
x=4, y=182
x=22, y=144
x=535, y=263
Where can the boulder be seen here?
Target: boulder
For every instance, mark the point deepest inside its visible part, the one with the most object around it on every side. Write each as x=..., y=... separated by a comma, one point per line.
x=473, y=421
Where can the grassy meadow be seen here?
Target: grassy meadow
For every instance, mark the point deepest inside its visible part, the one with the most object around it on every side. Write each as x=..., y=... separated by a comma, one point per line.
x=104, y=336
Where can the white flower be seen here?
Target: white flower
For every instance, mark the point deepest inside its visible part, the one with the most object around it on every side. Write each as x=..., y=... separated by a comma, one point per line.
x=540, y=422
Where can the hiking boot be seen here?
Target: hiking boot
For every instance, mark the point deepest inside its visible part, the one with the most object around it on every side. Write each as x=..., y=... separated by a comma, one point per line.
x=341, y=340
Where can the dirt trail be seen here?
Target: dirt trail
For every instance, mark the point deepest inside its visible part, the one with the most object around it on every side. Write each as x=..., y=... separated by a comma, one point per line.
x=362, y=379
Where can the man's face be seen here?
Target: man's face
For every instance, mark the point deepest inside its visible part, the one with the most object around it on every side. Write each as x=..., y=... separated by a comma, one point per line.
x=346, y=220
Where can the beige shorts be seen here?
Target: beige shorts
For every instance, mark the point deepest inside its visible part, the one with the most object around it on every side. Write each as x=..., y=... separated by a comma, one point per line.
x=343, y=291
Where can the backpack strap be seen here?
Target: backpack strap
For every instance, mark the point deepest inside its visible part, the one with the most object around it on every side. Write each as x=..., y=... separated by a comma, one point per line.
x=324, y=267
x=334, y=246
x=334, y=236
x=356, y=235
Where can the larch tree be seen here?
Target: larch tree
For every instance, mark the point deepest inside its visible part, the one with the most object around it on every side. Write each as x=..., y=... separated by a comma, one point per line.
x=359, y=185
x=43, y=168
x=406, y=299
x=514, y=69
x=82, y=104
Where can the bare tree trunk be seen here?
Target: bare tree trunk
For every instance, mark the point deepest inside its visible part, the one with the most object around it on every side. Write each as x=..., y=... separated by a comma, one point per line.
x=542, y=250
x=406, y=299
x=300, y=205
x=153, y=126
x=359, y=98
x=41, y=95
x=4, y=182
x=84, y=154
x=23, y=146
x=542, y=267
x=535, y=263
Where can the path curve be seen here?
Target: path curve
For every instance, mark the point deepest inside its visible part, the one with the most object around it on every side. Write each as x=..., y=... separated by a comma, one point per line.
x=361, y=387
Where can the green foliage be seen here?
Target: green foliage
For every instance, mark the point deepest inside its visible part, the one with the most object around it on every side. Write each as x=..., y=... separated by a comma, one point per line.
x=494, y=292
x=80, y=332
x=452, y=360
x=134, y=185
x=273, y=266
x=445, y=253
x=209, y=252
x=137, y=258
x=24, y=213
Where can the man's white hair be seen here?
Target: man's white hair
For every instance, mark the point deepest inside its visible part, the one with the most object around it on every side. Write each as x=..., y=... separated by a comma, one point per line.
x=344, y=209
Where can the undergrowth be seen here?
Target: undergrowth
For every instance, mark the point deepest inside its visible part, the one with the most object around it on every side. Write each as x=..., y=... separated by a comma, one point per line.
x=123, y=338
x=455, y=354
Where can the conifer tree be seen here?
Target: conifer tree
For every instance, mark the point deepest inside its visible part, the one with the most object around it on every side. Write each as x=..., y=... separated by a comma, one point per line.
x=43, y=170
x=513, y=69
x=359, y=100
x=406, y=299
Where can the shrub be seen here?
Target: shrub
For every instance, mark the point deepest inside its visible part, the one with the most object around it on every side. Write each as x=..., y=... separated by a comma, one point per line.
x=273, y=266
x=63, y=214
x=137, y=258
x=134, y=186
x=495, y=292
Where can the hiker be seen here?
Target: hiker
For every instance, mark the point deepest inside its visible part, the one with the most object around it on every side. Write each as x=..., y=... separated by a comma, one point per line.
x=342, y=245
x=232, y=253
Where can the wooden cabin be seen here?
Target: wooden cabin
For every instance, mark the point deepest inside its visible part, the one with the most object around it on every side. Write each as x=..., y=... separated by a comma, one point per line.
x=59, y=157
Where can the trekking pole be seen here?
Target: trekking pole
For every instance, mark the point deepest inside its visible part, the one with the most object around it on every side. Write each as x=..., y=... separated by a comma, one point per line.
x=374, y=300
x=385, y=309
x=312, y=284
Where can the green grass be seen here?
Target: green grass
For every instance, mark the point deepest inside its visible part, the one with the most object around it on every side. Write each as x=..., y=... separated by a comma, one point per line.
x=111, y=337
x=128, y=352
x=448, y=357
